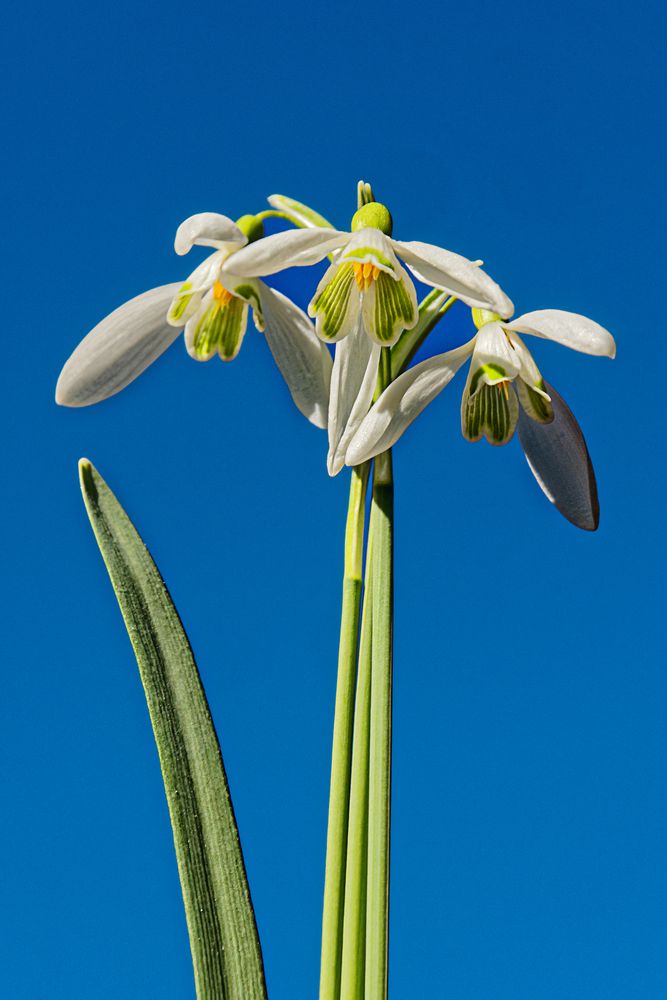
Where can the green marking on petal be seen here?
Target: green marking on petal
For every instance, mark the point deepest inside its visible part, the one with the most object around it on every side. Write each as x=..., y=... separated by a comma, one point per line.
x=180, y=303
x=333, y=300
x=491, y=413
x=249, y=293
x=362, y=254
x=221, y=329
x=393, y=309
x=535, y=401
x=493, y=372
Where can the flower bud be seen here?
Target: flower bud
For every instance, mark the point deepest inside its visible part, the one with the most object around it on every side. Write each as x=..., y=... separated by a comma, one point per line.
x=374, y=215
x=251, y=226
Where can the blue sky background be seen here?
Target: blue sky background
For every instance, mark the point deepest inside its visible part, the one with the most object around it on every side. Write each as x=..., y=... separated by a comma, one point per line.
x=530, y=817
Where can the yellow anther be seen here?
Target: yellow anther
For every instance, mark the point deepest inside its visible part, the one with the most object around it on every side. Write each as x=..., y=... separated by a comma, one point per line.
x=365, y=275
x=359, y=276
x=221, y=295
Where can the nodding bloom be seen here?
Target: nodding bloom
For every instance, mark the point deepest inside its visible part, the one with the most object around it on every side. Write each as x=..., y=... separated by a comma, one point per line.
x=365, y=299
x=504, y=388
x=212, y=306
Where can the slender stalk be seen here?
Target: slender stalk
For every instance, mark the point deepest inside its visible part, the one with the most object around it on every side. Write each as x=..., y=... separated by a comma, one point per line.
x=431, y=310
x=339, y=796
x=379, y=790
x=354, y=922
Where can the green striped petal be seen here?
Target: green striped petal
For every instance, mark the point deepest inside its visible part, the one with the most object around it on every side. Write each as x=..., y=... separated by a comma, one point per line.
x=218, y=328
x=389, y=306
x=335, y=303
x=535, y=401
x=178, y=311
x=187, y=301
x=491, y=412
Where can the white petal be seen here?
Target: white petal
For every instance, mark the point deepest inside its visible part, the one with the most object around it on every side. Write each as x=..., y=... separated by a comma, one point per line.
x=188, y=300
x=304, y=360
x=494, y=358
x=569, y=329
x=528, y=370
x=352, y=386
x=454, y=274
x=530, y=384
x=208, y=229
x=294, y=248
x=370, y=246
x=118, y=349
x=402, y=402
x=559, y=460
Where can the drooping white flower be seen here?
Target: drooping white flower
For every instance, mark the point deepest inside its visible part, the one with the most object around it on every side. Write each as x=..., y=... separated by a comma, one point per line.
x=366, y=275
x=503, y=381
x=213, y=308
x=365, y=293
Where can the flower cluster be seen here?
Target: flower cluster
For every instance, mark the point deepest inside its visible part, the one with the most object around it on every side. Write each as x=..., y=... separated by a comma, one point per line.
x=365, y=304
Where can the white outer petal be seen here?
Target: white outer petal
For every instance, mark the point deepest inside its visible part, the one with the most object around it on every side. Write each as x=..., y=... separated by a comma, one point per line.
x=454, y=274
x=492, y=347
x=374, y=243
x=303, y=360
x=294, y=248
x=568, y=329
x=402, y=402
x=118, y=349
x=208, y=229
x=352, y=386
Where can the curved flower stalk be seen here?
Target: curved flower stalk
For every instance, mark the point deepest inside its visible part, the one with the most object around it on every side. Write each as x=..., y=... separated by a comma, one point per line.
x=366, y=299
x=503, y=380
x=212, y=308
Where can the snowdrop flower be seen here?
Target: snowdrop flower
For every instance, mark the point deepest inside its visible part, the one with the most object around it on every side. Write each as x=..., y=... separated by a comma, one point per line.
x=365, y=300
x=503, y=379
x=213, y=307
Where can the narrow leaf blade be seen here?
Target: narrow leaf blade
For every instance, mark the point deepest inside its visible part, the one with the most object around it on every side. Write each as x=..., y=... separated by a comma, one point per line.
x=224, y=941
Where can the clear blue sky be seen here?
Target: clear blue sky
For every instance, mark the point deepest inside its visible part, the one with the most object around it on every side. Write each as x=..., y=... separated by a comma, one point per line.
x=530, y=815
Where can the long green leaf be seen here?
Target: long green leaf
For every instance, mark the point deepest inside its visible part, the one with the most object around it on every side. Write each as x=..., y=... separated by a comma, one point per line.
x=225, y=945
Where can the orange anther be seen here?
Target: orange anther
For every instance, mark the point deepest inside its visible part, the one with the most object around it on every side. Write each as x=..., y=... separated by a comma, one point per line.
x=221, y=295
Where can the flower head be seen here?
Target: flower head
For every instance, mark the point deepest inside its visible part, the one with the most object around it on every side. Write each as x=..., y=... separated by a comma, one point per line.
x=504, y=388
x=365, y=300
x=366, y=278
x=212, y=306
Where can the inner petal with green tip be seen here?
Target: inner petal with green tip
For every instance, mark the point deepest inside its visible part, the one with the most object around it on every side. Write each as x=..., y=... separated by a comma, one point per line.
x=491, y=412
x=332, y=303
x=220, y=328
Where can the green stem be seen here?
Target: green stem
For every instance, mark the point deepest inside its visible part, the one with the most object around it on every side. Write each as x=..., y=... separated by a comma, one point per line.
x=379, y=789
x=431, y=310
x=339, y=796
x=354, y=923
x=273, y=213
